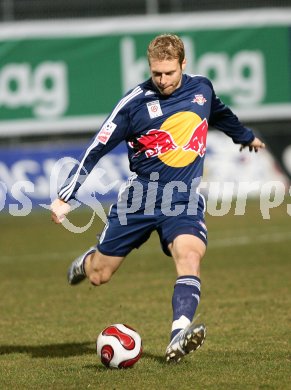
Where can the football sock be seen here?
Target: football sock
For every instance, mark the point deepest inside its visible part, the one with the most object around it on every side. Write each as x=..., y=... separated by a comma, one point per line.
x=185, y=300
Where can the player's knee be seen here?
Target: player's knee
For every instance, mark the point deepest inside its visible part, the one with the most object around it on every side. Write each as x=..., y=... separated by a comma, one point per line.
x=105, y=275
x=194, y=256
x=189, y=257
x=189, y=263
x=193, y=259
x=100, y=277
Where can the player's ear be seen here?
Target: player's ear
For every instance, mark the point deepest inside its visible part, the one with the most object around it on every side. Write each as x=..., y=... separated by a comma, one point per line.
x=184, y=63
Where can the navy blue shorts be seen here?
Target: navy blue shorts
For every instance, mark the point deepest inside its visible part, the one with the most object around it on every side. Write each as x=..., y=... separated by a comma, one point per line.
x=119, y=239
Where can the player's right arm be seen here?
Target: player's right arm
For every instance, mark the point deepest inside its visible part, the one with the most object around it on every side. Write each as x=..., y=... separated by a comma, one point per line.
x=114, y=130
x=59, y=209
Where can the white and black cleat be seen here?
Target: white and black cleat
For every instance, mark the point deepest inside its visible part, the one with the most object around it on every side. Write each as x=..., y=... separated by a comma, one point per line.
x=186, y=341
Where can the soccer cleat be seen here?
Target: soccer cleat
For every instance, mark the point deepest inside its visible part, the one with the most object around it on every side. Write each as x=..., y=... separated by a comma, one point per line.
x=76, y=272
x=186, y=341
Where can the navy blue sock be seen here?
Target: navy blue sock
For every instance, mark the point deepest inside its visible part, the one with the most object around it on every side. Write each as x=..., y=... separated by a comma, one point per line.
x=185, y=300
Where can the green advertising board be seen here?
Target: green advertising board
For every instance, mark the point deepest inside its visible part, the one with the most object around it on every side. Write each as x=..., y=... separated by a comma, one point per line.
x=58, y=76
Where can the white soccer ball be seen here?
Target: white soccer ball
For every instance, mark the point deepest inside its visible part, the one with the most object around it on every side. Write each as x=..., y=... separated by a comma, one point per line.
x=119, y=346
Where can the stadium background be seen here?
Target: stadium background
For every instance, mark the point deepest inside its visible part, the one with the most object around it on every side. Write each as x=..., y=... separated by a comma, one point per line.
x=44, y=9
x=57, y=87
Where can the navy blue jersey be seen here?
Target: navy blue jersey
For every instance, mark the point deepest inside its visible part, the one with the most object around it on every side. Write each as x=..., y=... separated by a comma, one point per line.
x=164, y=134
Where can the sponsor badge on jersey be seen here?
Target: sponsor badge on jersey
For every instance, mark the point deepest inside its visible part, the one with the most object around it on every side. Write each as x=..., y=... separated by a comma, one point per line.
x=154, y=109
x=106, y=131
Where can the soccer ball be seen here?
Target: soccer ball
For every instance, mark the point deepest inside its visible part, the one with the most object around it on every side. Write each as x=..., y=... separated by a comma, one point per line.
x=119, y=346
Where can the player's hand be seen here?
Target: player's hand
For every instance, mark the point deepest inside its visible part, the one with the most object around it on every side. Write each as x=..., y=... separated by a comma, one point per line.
x=255, y=145
x=59, y=210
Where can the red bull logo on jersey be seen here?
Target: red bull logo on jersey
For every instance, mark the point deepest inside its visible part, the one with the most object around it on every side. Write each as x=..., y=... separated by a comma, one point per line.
x=199, y=99
x=197, y=141
x=179, y=141
x=155, y=143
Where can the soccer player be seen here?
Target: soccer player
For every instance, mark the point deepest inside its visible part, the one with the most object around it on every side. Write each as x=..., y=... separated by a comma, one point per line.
x=164, y=121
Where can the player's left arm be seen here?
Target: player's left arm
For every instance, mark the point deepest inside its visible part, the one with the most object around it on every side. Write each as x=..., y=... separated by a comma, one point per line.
x=222, y=118
x=255, y=145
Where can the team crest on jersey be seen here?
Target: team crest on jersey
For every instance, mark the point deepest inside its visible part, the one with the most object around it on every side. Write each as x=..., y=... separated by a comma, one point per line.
x=106, y=132
x=199, y=99
x=154, y=109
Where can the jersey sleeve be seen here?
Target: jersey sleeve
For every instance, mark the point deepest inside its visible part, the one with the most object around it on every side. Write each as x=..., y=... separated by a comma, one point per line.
x=114, y=130
x=222, y=118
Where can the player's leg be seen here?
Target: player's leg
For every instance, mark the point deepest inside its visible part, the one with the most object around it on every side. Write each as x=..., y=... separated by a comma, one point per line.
x=99, y=267
x=187, y=251
x=116, y=241
x=95, y=266
x=184, y=238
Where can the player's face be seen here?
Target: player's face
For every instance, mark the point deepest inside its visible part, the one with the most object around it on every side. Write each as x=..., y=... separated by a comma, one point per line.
x=167, y=74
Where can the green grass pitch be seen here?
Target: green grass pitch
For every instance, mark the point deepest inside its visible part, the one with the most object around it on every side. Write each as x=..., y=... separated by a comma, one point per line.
x=48, y=328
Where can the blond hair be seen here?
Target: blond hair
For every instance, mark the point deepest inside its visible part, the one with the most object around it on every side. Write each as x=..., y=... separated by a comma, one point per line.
x=166, y=47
